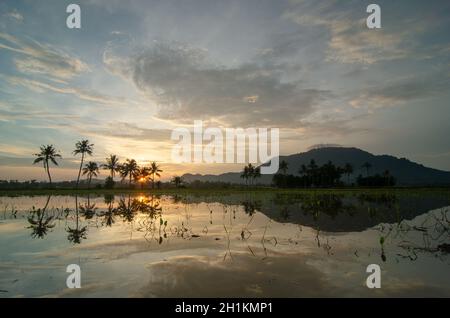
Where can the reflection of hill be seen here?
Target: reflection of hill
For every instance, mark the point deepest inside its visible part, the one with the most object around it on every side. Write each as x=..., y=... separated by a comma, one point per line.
x=334, y=213
x=354, y=216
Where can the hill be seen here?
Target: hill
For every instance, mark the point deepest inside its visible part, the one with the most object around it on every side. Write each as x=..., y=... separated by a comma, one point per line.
x=406, y=172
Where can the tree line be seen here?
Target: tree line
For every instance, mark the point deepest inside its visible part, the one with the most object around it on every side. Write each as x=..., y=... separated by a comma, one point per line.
x=328, y=175
x=128, y=170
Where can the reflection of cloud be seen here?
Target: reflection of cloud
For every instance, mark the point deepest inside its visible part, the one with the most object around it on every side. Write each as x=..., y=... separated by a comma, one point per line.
x=245, y=276
x=413, y=288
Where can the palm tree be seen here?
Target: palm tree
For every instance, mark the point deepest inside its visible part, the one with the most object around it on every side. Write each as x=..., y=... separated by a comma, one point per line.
x=251, y=172
x=348, y=169
x=313, y=169
x=177, y=180
x=256, y=173
x=112, y=164
x=129, y=169
x=367, y=166
x=142, y=175
x=48, y=153
x=154, y=170
x=83, y=147
x=387, y=176
x=91, y=169
x=245, y=174
x=283, y=166
x=303, y=171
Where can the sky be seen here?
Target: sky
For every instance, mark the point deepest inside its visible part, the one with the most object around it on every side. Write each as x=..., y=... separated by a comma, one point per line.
x=136, y=70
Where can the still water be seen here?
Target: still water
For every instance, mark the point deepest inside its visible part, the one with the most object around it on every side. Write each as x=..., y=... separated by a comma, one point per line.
x=235, y=245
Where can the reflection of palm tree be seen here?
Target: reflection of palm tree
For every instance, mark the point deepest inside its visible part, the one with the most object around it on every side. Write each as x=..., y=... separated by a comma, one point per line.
x=88, y=210
x=329, y=204
x=250, y=206
x=112, y=164
x=111, y=212
x=151, y=207
x=76, y=234
x=284, y=213
x=91, y=170
x=48, y=153
x=128, y=208
x=39, y=225
x=154, y=170
x=83, y=147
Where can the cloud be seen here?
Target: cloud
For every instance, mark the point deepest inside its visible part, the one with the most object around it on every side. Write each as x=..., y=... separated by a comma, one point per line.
x=187, y=86
x=42, y=59
x=351, y=42
x=397, y=92
x=131, y=131
x=330, y=128
x=11, y=115
x=41, y=87
x=15, y=15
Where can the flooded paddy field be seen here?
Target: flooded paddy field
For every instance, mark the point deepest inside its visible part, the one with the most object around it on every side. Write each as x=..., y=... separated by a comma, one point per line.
x=264, y=244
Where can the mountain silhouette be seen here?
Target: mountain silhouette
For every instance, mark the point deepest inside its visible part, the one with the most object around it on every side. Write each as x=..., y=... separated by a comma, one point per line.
x=406, y=172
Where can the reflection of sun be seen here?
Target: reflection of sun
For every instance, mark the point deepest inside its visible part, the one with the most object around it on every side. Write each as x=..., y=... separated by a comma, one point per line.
x=141, y=198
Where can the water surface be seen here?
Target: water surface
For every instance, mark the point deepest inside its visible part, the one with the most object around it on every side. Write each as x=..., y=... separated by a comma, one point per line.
x=250, y=245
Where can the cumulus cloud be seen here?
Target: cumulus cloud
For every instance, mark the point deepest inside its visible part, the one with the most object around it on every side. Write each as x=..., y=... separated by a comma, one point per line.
x=187, y=86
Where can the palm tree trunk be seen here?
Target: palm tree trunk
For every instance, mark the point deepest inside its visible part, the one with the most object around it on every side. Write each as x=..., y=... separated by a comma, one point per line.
x=49, y=176
x=48, y=173
x=89, y=183
x=79, y=171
